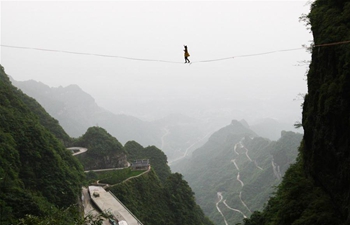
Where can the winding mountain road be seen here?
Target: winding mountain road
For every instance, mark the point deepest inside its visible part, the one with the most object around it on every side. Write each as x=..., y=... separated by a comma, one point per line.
x=133, y=177
x=167, y=132
x=240, y=197
x=239, y=145
x=239, y=180
x=78, y=149
x=101, y=170
x=257, y=166
x=236, y=210
x=219, y=194
x=234, y=162
x=187, y=149
x=276, y=169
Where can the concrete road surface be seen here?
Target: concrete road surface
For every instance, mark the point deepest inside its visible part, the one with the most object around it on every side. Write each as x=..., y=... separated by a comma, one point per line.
x=106, y=202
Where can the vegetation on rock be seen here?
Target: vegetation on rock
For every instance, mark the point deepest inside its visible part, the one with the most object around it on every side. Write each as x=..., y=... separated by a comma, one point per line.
x=36, y=171
x=155, y=203
x=104, y=150
x=240, y=167
x=158, y=159
x=316, y=188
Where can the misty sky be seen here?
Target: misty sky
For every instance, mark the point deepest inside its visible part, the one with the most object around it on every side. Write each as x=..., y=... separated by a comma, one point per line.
x=241, y=88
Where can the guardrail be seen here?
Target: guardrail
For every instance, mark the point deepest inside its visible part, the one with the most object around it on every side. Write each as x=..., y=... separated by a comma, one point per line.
x=138, y=221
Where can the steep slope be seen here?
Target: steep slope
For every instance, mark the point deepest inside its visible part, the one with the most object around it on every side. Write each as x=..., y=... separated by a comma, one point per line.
x=77, y=111
x=104, y=150
x=327, y=106
x=316, y=189
x=156, y=196
x=154, y=203
x=158, y=159
x=46, y=120
x=233, y=174
x=36, y=171
x=176, y=134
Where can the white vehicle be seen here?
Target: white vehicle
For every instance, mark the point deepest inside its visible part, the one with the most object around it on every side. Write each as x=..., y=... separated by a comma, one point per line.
x=122, y=222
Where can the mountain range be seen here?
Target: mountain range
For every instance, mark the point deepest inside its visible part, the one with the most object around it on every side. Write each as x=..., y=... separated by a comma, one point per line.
x=176, y=134
x=41, y=181
x=234, y=173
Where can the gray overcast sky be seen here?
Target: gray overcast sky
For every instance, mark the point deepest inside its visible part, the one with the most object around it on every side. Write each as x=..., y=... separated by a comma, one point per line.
x=256, y=86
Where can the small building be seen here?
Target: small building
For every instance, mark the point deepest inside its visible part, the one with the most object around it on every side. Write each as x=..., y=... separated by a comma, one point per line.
x=140, y=164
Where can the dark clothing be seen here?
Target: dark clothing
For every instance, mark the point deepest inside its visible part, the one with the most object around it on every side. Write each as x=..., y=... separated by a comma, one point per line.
x=186, y=54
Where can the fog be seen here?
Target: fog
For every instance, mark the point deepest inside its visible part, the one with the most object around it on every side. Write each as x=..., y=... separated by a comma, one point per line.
x=252, y=87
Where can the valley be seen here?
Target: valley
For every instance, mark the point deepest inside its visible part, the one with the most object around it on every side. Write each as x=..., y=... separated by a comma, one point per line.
x=221, y=139
x=177, y=134
x=238, y=152
x=243, y=172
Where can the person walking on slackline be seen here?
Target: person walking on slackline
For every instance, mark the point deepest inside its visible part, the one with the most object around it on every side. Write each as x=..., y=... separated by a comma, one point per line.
x=186, y=54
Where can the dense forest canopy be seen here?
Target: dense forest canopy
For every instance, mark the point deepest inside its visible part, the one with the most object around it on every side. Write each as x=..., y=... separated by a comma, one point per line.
x=104, y=150
x=158, y=159
x=153, y=202
x=36, y=171
x=41, y=176
x=235, y=171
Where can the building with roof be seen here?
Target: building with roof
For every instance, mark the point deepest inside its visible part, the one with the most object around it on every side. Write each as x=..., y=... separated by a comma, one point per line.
x=140, y=164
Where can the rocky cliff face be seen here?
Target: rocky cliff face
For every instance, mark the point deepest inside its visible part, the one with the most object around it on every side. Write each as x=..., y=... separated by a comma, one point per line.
x=104, y=150
x=326, y=119
x=316, y=189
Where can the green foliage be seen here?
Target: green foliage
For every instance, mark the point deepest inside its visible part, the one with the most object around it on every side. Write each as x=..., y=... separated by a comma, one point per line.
x=36, y=170
x=115, y=176
x=315, y=190
x=297, y=201
x=77, y=110
x=153, y=203
x=104, y=150
x=326, y=109
x=158, y=159
x=99, y=142
x=285, y=150
x=45, y=119
x=181, y=202
x=255, y=219
x=211, y=170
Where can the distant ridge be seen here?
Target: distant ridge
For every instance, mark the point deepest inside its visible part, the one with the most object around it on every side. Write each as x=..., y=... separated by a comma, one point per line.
x=77, y=111
x=235, y=170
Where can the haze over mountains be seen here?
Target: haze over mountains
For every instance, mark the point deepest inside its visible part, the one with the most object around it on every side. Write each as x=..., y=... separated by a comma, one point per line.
x=41, y=181
x=214, y=160
x=234, y=172
x=176, y=134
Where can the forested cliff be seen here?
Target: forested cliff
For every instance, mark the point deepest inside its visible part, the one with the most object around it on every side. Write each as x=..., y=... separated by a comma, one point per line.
x=40, y=180
x=234, y=173
x=37, y=173
x=104, y=150
x=326, y=119
x=316, y=189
